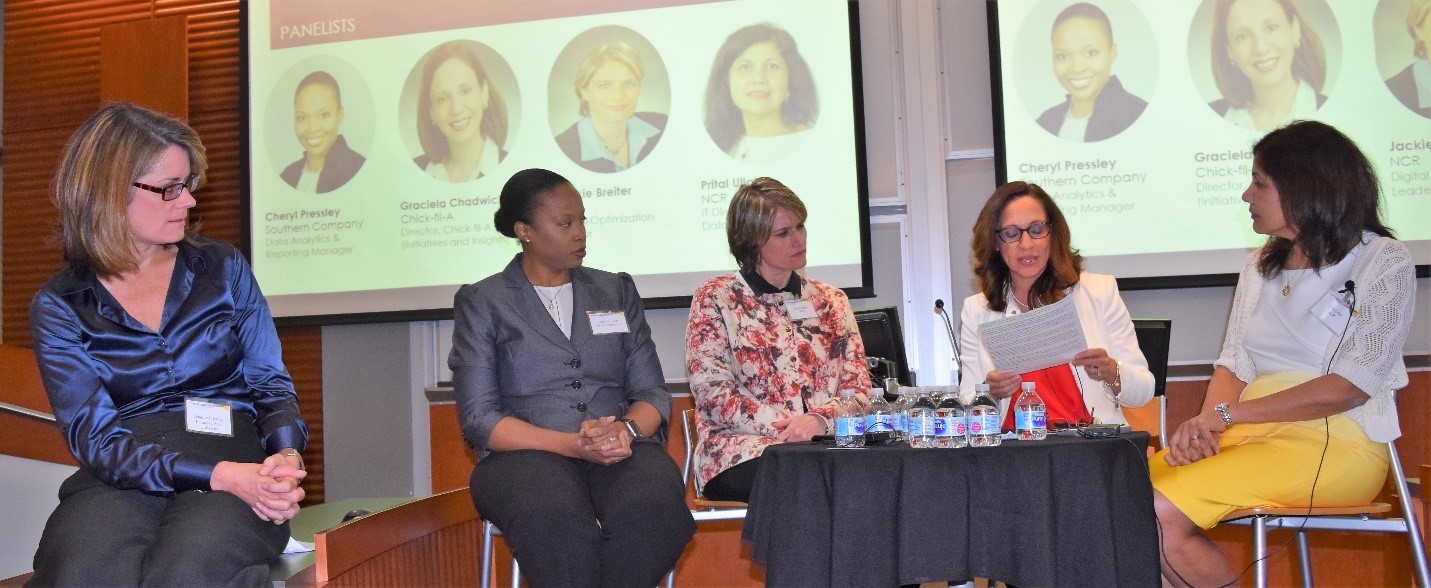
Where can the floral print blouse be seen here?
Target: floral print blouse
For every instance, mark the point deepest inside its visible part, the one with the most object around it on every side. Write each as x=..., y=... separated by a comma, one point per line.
x=751, y=365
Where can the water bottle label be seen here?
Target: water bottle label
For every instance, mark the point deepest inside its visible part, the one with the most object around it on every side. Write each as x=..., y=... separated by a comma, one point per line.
x=991, y=423
x=921, y=426
x=941, y=427
x=1040, y=418
x=1023, y=419
x=903, y=423
x=846, y=426
x=961, y=426
x=976, y=426
x=883, y=423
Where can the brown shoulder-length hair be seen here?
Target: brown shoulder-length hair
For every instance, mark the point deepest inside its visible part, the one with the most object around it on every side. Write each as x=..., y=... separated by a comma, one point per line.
x=991, y=274
x=751, y=215
x=494, y=117
x=1309, y=61
x=1328, y=190
x=92, y=185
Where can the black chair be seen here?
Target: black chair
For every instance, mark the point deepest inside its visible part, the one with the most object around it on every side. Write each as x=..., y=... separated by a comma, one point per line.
x=1154, y=337
x=879, y=328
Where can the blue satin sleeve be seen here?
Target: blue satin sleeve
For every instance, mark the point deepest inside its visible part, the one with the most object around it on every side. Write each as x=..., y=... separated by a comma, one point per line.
x=216, y=342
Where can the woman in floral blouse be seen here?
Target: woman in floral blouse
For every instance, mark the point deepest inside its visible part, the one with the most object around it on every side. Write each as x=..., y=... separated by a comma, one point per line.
x=767, y=350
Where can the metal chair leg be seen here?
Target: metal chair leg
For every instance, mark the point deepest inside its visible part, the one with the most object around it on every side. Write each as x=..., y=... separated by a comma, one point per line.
x=1259, y=549
x=486, y=574
x=1413, y=530
x=1304, y=556
x=516, y=574
x=671, y=578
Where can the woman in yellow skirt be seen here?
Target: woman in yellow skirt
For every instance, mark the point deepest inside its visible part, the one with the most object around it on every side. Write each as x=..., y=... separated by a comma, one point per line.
x=1302, y=399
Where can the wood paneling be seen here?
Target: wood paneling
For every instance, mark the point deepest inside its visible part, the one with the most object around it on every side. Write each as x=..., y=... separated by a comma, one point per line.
x=303, y=354
x=146, y=62
x=24, y=436
x=429, y=542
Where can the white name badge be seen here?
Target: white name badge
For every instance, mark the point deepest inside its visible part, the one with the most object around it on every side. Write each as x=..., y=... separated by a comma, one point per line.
x=1333, y=311
x=800, y=309
x=209, y=418
x=607, y=322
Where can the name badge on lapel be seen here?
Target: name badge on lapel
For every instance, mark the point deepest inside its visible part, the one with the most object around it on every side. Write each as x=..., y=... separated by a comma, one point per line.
x=1333, y=311
x=209, y=418
x=607, y=322
x=800, y=309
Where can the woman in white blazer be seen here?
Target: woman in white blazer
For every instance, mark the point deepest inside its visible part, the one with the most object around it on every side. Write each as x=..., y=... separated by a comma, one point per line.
x=1023, y=259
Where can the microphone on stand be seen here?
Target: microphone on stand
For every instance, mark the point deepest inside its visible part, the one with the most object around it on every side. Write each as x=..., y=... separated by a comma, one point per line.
x=953, y=340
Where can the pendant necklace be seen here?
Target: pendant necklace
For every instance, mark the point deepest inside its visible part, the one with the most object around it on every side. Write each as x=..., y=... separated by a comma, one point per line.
x=552, y=303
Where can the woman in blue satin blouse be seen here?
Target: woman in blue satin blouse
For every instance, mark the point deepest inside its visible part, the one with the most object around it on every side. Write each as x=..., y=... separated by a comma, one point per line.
x=163, y=368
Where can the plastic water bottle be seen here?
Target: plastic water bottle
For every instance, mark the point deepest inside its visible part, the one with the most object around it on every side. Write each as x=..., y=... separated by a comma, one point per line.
x=922, y=422
x=1030, y=418
x=954, y=433
x=901, y=412
x=849, y=421
x=880, y=419
x=984, y=421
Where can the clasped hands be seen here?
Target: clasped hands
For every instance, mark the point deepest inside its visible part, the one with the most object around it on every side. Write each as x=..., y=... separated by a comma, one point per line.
x=604, y=441
x=271, y=489
x=1195, y=439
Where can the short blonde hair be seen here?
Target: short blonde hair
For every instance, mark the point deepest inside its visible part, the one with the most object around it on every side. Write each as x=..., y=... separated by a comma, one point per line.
x=92, y=185
x=615, y=51
x=751, y=216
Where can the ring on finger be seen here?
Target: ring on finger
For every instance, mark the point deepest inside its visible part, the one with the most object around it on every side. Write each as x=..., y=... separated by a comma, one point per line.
x=1196, y=437
x=611, y=438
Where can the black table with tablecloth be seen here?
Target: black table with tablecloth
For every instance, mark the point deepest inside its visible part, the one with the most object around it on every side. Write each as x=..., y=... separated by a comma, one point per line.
x=1064, y=511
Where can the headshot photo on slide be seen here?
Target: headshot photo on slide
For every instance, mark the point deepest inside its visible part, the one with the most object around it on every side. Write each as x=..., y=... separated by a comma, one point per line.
x=1260, y=64
x=1098, y=55
x=1402, y=29
x=458, y=110
x=609, y=96
x=761, y=102
x=319, y=124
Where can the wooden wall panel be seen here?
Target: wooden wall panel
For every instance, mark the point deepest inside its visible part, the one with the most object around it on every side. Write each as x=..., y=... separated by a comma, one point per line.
x=303, y=354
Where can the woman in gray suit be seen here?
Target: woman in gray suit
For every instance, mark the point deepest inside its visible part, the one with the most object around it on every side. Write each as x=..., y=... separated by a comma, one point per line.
x=560, y=393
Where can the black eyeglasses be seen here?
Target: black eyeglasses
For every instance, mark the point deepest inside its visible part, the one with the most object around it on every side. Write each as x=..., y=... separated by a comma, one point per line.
x=172, y=191
x=1036, y=230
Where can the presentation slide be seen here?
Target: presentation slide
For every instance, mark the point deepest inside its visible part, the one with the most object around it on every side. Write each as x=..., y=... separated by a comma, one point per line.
x=1152, y=180
x=382, y=133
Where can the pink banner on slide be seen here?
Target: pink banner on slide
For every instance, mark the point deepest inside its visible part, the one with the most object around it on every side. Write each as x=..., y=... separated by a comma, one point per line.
x=311, y=22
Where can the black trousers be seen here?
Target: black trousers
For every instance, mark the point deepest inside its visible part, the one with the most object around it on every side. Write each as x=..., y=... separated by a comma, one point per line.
x=571, y=522
x=101, y=535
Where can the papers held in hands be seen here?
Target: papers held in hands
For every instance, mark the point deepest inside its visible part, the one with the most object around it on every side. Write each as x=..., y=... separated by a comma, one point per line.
x=1046, y=336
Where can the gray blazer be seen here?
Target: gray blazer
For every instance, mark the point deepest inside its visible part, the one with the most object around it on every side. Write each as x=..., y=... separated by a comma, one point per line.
x=509, y=358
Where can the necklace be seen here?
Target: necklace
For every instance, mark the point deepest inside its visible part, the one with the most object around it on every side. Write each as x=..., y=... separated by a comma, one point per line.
x=1020, y=303
x=1288, y=280
x=614, y=148
x=553, y=302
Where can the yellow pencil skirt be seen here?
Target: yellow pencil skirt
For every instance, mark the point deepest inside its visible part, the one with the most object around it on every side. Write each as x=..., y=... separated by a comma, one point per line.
x=1327, y=461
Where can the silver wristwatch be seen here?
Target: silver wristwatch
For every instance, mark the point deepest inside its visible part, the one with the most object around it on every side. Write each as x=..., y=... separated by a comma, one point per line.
x=1226, y=416
x=633, y=428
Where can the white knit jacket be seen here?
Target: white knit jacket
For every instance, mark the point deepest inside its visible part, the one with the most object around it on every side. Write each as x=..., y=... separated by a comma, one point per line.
x=1370, y=353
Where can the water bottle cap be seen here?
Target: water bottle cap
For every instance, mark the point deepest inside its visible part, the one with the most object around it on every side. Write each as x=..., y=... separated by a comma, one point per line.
x=1028, y=385
x=981, y=387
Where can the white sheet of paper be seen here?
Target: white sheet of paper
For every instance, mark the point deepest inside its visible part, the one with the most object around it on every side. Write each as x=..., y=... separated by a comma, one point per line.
x=607, y=322
x=1047, y=336
x=296, y=546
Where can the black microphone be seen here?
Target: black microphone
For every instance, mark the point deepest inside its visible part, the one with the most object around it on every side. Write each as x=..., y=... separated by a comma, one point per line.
x=1348, y=288
x=953, y=340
